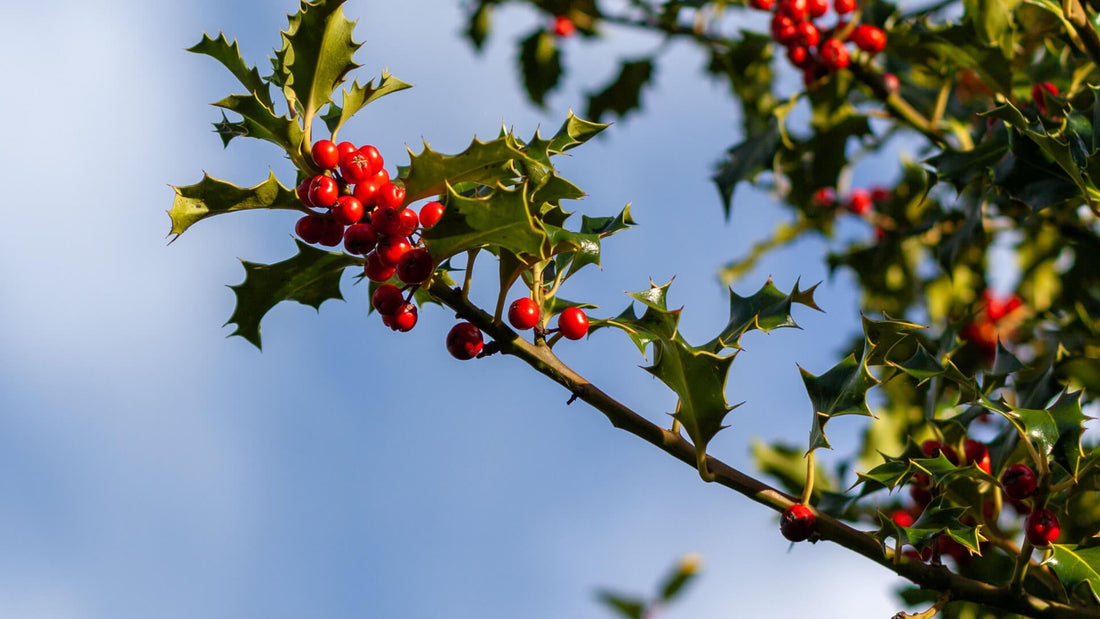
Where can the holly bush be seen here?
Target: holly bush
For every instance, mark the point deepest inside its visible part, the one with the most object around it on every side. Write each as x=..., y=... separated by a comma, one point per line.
x=975, y=482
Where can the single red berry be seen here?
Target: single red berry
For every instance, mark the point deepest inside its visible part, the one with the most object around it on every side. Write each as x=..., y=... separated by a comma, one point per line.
x=332, y=234
x=859, y=201
x=763, y=5
x=880, y=194
x=464, y=341
x=431, y=213
x=409, y=221
x=797, y=10
x=799, y=56
x=386, y=220
x=391, y=248
x=303, y=191
x=325, y=154
x=373, y=157
x=977, y=454
x=825, y=197
x=834, y=56
x=1041, y=528
x=870, y=39
x=1039, y=92
x=355, y=167
x=376, y=270
x=347, y=210
x=797, y=522
x=309, y=229
x=573, y=323
x=808, y=34
x=892, y=83
x=323, y=191
x=381, y=177
x=360, y=238
x=415, y=266
x=997, y=308
x=818, y=7
x=524, y=313
x=563, y=26
x=933, y=448
x=343, y=149
x=1018, y=481
x=403, y=320
x=902, y=518
x=843, y=7
x=387, y=298
x=391, y=195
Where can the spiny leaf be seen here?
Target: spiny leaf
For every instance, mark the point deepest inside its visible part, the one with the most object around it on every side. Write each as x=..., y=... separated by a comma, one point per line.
x=500, y=219
x=311, y=277
x=578, y=249
x=430, y=172
x=883, y=336
x=766, y=309
x=540, y=65
x=574, y=132
x=1070, y=419
x=262, y=123
x=606, y=226
x=744, y=161
x=229, y=54
x=938, y=519
x=211, y=196
x=840, y=391
x=359, y=97
x=624, y=93
x=1077, y=565
x=316, y=55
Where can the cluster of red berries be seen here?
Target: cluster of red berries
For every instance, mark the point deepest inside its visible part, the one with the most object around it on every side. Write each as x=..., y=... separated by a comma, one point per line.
x=860, y=201
x=991, y=323
x=1018, y=481
x=360, y=205
x=815, y=49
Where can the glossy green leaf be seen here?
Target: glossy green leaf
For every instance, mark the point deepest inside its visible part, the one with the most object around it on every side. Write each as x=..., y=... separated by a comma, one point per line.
x=840, y=391
x=499, y=219
x=430, y=172
x=939, y=518
x=573, y=132
x=766, y=309
x=259, y=121
x=311, y=277
x=1076, y=566
x=316, y=55
x=886, y=340
x=229, y=54
x=359, y=97
x=211, y=196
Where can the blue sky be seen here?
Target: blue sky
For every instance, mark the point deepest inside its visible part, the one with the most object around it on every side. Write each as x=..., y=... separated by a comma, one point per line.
x=151, y=467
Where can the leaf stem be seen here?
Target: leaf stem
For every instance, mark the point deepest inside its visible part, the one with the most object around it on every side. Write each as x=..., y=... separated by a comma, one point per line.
x=808, y=487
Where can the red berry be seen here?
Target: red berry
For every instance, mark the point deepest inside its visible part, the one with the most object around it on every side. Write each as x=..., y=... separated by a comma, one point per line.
x=325, y=154
x=902, y=518
x=409, y=221
x=784, y=29
x=386, y=220
x=391, y=248
x=859, y=201
x=997, y=308
x=870, y=39
x=343, y=149
x=430, y=214
x=360, y=238
x=797, y=10
x=933, y=449
x=834, y=56
x=464, y=341
x=347, y=210
x=376, y=270
x=323, y=191
x=391, y=195
x=1041, y=528
x=387, y=299
x=808, y=34
x=373, y=157
x=797, y=523
x=303, y=191
x=891, y=82
x=799, y=56
x=825, y=197
x=843, y=7
x=1018, y=481
x=523, y=313
x=355, y=167
x=818, y=7
x=366, y=192
x=1038, y=95
x=563, y=26
x=573, y=323
x=977, y=454
x=403, y=320
x=309, y=228
x=763, y=5
x=332, y=232
x=381, y=177
x=880, y=194
x=415, y=267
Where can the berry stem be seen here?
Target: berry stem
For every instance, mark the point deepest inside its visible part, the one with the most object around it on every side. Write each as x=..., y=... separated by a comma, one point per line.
x=808, y=487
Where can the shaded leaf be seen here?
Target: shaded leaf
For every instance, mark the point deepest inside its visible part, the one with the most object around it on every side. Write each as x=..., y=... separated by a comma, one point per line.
x=674, y=583
x=540, y=65
x=840, y=391
x=430, y=172
x=623, y=94
x=744, y=161
x=631, y=608
x=500, y=219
